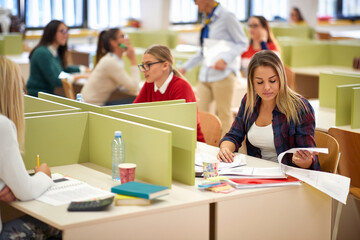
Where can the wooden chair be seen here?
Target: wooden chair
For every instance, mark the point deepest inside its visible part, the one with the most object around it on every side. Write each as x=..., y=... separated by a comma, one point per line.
x=68, y=89
x=349, y=166
x=211, y=128
x=290, y=76
x=328, y=162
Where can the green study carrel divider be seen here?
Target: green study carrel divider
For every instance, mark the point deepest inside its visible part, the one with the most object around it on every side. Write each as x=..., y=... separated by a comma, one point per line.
x=343, y=54
x=327, y=87
x=34, y=106
x=191, y=75
x=100, y=109
x=72, y=138
x=11, y=44
x=148, y=147
x=343, y=104
x=70, y=102
x=184, y=137
x=355, y=109
x=184, y=114
x=58, y=139
x=298, y=31
x=106, y=109
x=311, y=54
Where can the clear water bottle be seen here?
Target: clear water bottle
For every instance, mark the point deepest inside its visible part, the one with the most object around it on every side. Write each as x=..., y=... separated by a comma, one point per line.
x=79, y=97
x=118, y=154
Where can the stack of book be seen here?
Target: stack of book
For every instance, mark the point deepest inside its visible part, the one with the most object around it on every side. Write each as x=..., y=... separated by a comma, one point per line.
x=137, y=193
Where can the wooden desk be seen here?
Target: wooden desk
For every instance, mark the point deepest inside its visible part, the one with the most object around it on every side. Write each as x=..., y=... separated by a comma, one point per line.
x=188, y=213
x=276, y=213
x=325, y=118
x=180, y=215
x=307, y=78
x=270, y=213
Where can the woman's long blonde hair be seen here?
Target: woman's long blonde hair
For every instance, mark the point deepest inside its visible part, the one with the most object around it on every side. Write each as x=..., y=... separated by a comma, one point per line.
x=163, y=53
x=11, y=96
x=287, y=101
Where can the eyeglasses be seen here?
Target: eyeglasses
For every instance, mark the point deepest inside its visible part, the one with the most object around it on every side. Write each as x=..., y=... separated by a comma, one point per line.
x=63, y=31
x=146, y=66
x=253, y=25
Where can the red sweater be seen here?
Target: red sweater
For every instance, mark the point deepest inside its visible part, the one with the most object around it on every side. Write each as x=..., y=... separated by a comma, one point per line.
x=251, y=51
x=178, y=88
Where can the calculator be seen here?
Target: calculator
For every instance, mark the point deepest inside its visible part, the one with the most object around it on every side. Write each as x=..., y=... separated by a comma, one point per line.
x=93, y=205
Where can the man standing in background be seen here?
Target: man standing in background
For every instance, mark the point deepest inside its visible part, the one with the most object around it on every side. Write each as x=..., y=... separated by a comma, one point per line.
x=217, y=81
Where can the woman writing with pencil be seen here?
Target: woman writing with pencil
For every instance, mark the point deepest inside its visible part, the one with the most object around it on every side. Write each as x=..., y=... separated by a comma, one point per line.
x=272, y=117
x=15, y=182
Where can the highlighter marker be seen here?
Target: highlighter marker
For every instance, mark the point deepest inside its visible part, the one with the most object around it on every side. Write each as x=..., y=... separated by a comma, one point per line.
x=122, y=46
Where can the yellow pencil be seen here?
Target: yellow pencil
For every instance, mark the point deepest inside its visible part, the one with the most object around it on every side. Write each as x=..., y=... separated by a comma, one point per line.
x=38, y=161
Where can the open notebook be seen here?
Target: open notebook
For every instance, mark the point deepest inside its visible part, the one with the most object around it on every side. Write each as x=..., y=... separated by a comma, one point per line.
x=66, y=189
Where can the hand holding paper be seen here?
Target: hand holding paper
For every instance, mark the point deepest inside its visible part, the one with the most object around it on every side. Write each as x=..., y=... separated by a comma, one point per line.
x=220, y=65
x=303, y=158
x=336, y=186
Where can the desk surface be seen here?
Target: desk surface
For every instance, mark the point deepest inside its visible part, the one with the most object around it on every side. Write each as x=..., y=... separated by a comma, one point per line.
x=316, y=70
x=121, y=219
x=325, y=118
x=186, y=206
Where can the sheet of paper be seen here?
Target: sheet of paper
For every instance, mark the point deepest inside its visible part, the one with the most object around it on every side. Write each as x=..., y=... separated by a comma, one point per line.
x=293, y=150
x=334, y=185
x=239, y=160
x=66, y=189
x=215, y=49
x=250, y=172
x=64, y=75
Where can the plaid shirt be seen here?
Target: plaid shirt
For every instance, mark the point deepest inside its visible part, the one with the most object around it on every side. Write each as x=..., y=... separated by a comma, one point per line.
x=286, y=136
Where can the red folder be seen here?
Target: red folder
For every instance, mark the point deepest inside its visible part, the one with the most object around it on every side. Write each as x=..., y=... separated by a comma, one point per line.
x=258, y=183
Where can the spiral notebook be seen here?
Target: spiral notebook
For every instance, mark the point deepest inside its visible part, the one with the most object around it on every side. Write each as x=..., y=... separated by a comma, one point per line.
x=66, y=189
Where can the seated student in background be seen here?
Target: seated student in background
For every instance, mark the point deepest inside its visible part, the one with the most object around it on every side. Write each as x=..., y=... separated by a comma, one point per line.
x=272, y=117
x=109, y=72
x=49, y=58
x=261, y=38
x=296, y=16
x=163, y=82
x=15, y=182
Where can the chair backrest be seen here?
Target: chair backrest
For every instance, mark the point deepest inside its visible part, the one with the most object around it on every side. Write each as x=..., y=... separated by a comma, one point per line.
x=349, y=143
x=328, y=162
x=211, y=128
x=68, y=89
x=290, y=76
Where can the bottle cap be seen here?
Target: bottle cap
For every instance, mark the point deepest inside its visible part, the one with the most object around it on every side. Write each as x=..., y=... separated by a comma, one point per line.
x=78, y=95
x=117, y=133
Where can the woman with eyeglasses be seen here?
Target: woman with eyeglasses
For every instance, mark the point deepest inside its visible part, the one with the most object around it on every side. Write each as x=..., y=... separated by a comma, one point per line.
x=163, y=82
x=109, y=72
x=49, y=58
x=261, y=38
x=15, y=182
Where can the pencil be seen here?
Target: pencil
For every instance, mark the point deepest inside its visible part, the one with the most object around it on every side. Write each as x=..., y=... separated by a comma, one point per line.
x=38, y=161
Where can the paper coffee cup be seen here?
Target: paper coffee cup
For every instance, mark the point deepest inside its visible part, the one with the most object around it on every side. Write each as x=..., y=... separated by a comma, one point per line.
x=210, y=168
x=127, y=172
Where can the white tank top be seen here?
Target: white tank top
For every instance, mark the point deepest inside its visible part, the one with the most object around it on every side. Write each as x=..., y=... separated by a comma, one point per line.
x=263, y=138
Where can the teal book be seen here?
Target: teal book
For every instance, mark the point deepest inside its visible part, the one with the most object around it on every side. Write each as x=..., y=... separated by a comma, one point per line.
x=141, y=190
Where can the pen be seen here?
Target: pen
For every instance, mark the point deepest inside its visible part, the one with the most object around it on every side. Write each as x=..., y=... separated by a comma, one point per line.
x=38, y=161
